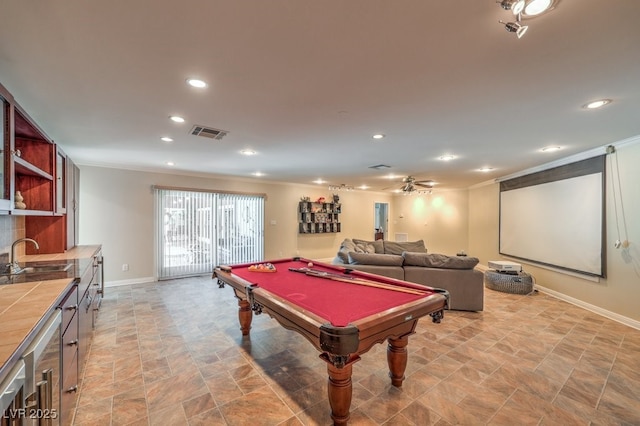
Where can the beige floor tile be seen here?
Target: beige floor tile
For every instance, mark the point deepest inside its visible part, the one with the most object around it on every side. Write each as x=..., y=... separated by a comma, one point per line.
x=171, y=353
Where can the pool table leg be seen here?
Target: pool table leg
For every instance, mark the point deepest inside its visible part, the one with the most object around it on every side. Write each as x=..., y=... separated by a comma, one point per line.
x=245, y=316
x=397, y=359
x=340, y=390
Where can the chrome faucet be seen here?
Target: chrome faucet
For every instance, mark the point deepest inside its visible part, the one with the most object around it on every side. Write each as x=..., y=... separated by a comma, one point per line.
x=14, y=266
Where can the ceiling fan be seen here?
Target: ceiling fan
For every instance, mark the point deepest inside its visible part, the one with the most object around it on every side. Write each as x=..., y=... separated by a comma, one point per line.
x=411, y=184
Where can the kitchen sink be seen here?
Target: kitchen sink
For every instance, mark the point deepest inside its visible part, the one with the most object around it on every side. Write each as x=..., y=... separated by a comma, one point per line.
x=38, y=271
x=62, y=267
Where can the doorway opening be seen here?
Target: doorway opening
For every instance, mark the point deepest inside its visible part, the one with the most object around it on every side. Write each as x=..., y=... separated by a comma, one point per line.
x=381, y=221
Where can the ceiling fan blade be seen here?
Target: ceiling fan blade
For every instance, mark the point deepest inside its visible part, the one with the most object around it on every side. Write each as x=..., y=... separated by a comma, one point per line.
x=424, y=184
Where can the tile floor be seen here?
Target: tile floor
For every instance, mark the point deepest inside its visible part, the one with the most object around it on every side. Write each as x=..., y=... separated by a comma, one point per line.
x=171, y=353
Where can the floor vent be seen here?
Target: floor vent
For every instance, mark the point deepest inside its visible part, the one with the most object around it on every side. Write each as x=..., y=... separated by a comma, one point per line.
x=208, y=132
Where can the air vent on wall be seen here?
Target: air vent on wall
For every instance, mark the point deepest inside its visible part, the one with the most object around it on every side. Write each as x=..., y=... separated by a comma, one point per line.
x=208, y=132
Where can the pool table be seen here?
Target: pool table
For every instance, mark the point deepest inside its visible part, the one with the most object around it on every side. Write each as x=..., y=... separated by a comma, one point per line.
x=342, y=312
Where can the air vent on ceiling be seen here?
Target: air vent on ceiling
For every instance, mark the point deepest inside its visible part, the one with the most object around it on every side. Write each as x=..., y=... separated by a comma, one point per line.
x=380, y=167
x=208, y=132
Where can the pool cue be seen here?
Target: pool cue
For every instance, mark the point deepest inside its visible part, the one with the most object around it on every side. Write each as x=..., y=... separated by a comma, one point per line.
x=357, y=281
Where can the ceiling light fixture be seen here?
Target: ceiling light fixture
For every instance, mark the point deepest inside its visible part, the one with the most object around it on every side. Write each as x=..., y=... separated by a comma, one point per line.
x=597, y=104
x=552, y=148
x=170, y=163
x=378, y=136
x=515, y=6
x=341, y=187
x=515, y=27
x=536, y=7
x=194, y=82
x=523, y=10
x=176, y=119
x=485, y=169
x=446, y=157
x=248, y=152
x=166, y=139
x=258, y=174
x=319, y=181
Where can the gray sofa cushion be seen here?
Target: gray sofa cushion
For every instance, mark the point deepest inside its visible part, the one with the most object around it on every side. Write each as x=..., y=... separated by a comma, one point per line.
x=367, y=246
x=393, y=247
x=442, y=261
x=396, y=272
x=375, y=259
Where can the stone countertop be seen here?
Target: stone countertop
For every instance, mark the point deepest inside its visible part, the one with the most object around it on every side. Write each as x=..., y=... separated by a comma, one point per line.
x=25, y=306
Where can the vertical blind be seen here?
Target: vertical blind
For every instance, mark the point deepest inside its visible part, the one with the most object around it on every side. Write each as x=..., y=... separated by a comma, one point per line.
x=197, y=230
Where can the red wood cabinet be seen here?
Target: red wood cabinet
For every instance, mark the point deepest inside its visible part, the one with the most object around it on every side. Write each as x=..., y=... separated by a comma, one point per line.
x=34, y=180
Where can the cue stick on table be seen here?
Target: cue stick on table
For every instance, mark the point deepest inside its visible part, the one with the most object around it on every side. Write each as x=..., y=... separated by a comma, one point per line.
x=357, y=281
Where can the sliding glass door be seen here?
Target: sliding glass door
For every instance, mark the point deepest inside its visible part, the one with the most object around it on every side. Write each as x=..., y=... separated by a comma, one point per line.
x=197, y=230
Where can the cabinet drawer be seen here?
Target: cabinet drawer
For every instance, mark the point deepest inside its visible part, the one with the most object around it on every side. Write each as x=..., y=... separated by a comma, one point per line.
x=85, y=329
x=69, y=391
x=69, y=307
x=69, y=344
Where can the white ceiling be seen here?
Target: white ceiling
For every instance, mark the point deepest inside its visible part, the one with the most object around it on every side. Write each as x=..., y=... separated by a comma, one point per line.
x=307, y=83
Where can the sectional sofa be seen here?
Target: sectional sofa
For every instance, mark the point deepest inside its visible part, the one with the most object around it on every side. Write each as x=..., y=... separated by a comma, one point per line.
x=410, y=261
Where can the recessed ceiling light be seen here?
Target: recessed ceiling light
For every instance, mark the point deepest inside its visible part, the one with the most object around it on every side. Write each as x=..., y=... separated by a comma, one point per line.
x=447, y=157
x=378, y=136
x=194, y=82
x=170, y=163
x=485, y=169
x=166, y=139
x=597, y=104
x=363, y=187
x=258, y=174
x=176, y=118
x=319, y=181
x=248, y=152
x=551, y=148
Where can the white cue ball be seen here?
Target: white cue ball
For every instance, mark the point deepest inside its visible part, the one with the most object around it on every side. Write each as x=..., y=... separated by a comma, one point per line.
x=310, y=264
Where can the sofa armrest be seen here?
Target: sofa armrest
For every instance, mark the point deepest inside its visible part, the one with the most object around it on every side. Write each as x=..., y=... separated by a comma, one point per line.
x=465, y=286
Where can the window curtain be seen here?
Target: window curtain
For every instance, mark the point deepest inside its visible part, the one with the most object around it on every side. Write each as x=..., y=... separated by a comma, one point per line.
x=197, y=230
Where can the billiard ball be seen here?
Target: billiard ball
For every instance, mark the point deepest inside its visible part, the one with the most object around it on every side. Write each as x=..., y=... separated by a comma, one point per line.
x=310, y=264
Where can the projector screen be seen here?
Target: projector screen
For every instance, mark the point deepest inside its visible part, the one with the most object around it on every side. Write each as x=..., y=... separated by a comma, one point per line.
x=556, y=217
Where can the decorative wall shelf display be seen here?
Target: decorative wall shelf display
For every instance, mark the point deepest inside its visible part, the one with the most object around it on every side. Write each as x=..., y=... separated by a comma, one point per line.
x=318, y=218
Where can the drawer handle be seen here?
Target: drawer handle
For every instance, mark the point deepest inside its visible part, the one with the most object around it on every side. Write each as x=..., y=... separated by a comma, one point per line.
x=73, y=389
x=73, y=343
x=72, y=307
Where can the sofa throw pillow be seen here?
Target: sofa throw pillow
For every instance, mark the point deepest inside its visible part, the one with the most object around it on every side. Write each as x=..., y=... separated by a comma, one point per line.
x=392, y=247
x=375, y=259
x=435, y=260
x=377, y=245
x=347, y=246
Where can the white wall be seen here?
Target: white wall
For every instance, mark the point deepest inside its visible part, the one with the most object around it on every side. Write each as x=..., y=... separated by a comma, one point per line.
x=440, y=219
x=117, y=211
x=619, y=292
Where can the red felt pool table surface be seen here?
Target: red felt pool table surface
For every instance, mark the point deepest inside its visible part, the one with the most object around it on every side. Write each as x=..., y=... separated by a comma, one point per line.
x=340, y=303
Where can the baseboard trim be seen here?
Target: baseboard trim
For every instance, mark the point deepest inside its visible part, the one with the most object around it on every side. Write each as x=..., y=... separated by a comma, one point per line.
x=589, y=307
x=142, y=280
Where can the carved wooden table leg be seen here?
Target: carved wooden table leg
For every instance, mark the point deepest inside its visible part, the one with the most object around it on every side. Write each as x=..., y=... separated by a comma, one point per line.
x=245, y=316
x=397, y=359
x=340, y=390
